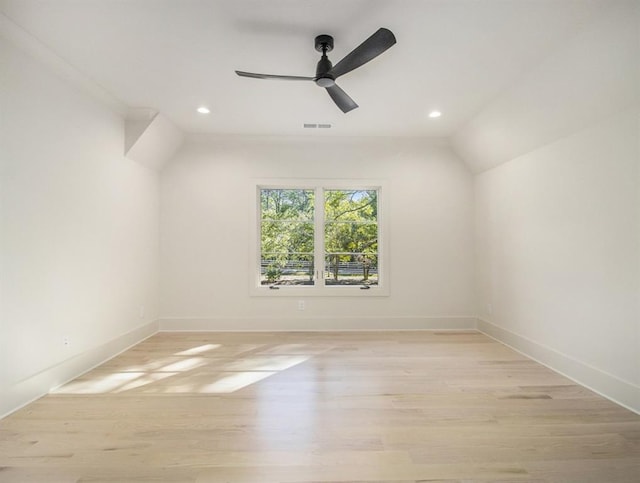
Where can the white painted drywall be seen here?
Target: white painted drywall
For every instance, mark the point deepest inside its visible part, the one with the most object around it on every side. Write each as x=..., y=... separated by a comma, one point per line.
x=593, y=76
x=205, y=213
x=155, y=141
x=558, y=241
x=79, y=229
x=558, y=208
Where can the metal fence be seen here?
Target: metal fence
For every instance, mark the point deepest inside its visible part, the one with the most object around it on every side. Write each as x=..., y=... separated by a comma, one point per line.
x=301, y=267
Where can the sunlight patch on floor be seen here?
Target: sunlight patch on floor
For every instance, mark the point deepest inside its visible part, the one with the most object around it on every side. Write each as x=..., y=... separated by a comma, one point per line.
x=198, y=350
x=269, y=363
x=99, y=385
x=202, y=375
x=185, y=365
x=233, y=382
x=145, y=380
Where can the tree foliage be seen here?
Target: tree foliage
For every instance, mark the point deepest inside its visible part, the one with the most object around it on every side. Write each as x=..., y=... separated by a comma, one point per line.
x=287, y=230
x=351, y=229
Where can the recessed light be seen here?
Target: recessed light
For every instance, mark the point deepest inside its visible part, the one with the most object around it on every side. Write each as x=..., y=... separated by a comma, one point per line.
x=203, y=110
x=434, y=114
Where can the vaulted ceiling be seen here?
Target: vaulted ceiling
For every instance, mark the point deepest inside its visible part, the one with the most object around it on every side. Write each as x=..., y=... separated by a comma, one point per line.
x=455, y=56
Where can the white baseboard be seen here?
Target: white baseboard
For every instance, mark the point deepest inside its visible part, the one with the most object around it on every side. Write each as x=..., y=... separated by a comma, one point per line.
x=607, y=385
x=316, y=324
x=34, y=387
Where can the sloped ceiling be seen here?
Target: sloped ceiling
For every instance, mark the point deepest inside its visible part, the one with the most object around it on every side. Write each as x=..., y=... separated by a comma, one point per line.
x=457, y=56
x=592, y=76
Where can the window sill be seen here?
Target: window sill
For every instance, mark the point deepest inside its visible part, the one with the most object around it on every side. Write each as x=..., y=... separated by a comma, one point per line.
x=306, y=291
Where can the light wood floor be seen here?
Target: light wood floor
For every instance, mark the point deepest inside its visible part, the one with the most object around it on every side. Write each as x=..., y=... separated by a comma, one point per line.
x=321, y=407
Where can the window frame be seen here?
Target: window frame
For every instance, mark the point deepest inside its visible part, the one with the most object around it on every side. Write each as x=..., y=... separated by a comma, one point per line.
x=318, y=289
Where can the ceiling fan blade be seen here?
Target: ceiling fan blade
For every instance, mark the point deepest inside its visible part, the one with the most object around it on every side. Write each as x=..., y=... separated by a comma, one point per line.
x=380, y=41
x=341, y=98
x=271, y=76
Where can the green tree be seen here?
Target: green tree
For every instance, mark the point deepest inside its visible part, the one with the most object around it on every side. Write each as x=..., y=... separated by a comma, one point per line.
x=351, y=229
x=286, y=230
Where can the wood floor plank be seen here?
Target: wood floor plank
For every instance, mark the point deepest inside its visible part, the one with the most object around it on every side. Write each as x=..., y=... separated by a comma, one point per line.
x=356, y=407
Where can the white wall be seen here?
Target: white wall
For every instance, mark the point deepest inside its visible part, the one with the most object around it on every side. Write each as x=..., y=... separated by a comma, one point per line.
x=594, y=75
x=205, y=212
x=79, y=232
x=559, y=255
x=558, y=222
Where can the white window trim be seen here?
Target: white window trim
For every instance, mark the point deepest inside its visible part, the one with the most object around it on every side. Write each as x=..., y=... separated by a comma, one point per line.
x=319, y=289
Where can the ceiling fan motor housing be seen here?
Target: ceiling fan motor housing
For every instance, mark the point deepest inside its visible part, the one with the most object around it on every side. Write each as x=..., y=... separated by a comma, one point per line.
x=324, y=44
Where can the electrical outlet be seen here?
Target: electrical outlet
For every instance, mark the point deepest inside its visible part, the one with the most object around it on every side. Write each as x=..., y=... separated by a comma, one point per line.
x=489, y=309
x=300, y=304
x=141, y=312
x=66, y=341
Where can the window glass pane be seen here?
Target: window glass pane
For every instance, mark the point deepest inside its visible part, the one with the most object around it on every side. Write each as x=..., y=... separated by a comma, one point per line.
x=286, y=269
x=351, y=237
x=286, y=237
x=286, y=204
x=351, y=269
x=351, y=205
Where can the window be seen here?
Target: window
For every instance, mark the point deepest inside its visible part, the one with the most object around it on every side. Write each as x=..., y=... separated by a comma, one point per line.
x=351, y=237
x=318, y=239
x=287, y=236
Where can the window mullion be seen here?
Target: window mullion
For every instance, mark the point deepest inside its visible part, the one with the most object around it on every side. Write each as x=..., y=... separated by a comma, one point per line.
x=319, y=236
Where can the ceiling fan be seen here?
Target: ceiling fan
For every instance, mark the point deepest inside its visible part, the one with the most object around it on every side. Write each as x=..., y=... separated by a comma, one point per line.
x=327, y=73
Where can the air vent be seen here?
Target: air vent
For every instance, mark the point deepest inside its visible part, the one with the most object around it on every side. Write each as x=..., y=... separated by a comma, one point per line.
x=314, y=126
x=324, y=126
x=310, y=126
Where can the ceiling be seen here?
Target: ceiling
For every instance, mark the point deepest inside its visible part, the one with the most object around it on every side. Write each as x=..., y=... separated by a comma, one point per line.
x=174, y=56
